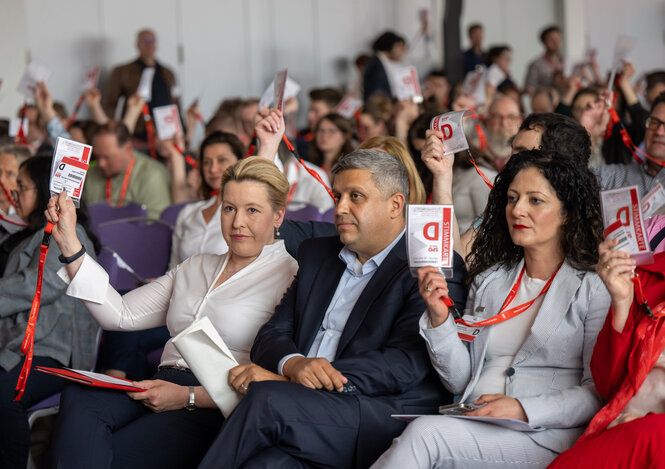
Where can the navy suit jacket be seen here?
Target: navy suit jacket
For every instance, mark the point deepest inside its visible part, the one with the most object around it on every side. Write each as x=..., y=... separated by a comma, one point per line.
x=380, y=350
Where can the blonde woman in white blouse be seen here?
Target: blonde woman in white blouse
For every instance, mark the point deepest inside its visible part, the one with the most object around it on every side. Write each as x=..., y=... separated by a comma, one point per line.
x=238, y=291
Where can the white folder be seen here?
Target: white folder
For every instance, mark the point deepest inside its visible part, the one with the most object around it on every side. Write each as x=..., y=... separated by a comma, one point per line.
x=210, y=360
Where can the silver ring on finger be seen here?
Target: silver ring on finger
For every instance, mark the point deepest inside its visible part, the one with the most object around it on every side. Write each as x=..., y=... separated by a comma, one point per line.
x=243, y=387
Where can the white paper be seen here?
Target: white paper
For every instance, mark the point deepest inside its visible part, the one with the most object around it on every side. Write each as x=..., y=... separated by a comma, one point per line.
x=15, y=124
x=450, y=124
x=144, y=89
x=622, y=50
x=429, y=237
x=291, y=90
x=36, y=71
x=210, y=360
x=406, y=83
x=167, y=121
x=470, y=332
x=623, y=205
x=90, y=79
x=348, y=106
x=653, y=201
x=474, y=85
x=67, y=168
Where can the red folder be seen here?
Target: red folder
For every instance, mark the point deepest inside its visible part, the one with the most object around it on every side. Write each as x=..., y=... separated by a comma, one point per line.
x=92, y=379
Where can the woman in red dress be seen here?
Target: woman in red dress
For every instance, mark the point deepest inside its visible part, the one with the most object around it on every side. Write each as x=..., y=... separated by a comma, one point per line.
x=628, y=367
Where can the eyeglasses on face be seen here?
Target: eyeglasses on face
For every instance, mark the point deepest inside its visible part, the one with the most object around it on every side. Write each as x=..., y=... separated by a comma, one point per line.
x=652, y=123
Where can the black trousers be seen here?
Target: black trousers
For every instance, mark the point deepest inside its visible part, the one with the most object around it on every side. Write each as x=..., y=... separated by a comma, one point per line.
x=286, y=425
x=98, y=428
x=14, y=429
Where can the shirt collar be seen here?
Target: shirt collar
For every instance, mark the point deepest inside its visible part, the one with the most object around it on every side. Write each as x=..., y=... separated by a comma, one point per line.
x=357, y=269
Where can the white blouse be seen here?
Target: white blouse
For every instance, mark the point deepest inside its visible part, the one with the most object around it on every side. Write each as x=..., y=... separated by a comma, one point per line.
x=192, y=235
x=237, y=308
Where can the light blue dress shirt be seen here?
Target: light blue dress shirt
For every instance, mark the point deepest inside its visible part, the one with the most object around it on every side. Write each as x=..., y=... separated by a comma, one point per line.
x=355, y=278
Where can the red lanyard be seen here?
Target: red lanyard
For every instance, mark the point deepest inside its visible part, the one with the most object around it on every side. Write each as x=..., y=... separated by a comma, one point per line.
x=250, y=150
x=482, y=139
x=13, y=221
x=28, y=344
x=20, y=136
x=123, y=188
x=480, y=173
x=292, y=190
x=7, y=194
x=504, y=314
x=72, y=118
x=149, y=130
x=628, y=142
x=312, y=173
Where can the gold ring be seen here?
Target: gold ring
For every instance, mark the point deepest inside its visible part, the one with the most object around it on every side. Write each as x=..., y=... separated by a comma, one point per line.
x=607, y=266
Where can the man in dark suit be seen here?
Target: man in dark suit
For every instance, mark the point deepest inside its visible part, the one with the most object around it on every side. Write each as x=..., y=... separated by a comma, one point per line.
x=346, y=337
x=388, y=48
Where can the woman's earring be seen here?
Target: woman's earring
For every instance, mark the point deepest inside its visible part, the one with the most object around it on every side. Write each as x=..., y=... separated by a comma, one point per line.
x=276, y=232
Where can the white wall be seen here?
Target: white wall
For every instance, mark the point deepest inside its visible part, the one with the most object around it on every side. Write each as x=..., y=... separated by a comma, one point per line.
x=232, y=47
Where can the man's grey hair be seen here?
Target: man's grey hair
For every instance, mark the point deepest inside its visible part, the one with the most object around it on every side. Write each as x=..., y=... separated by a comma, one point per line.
x=19, y=151
x=388, y=174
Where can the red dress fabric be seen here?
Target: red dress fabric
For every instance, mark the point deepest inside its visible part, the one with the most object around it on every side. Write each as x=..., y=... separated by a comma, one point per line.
x=621, y=362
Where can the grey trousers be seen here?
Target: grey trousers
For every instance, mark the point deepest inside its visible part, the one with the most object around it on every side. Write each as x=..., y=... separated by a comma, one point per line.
x=442, y=442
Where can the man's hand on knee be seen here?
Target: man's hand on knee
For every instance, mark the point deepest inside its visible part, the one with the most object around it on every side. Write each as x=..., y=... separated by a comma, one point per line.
x=315, y=373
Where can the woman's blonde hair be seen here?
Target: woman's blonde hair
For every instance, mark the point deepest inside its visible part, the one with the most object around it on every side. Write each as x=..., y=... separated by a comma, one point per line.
x=260, y=170
x=395, y=147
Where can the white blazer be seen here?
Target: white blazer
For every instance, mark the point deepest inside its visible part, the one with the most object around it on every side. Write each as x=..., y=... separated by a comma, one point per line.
x=550, y=373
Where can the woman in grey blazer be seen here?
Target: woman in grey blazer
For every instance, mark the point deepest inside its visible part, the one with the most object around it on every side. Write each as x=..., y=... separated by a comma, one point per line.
x=535, y=306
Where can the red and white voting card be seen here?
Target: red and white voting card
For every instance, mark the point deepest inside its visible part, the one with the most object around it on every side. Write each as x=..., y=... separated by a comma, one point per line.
x=407, y=85
x=653, y=201
x=348, y=106
x=36, y=71
x=622, y=210
x=167, y=121
x=280, y=88
x=291, y=90
x=144, y=89
x=429, y=237
x=90, y=79
x=90, y=378
x=15, y=123
x=450, y=124
x=69, y=167
x=474, y=85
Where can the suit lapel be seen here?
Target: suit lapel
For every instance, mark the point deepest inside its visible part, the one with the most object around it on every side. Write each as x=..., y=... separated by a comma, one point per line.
x=323, y=288
x=391, y=267
x=554, y=307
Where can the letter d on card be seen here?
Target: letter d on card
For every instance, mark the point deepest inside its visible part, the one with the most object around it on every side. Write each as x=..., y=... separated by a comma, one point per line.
x=450, y=124
x=429, y=237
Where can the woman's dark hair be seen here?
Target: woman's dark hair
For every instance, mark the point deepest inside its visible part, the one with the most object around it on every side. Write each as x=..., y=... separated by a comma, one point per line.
x=214, y=138
x=386, y=41
x=494, y=53
x=418, y=129
x=39, y=171
x=577, y=189
x=560, y=133
x=344, y=126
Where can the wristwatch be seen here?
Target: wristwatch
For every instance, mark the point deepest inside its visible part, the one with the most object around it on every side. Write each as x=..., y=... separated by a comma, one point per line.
x=191, y=405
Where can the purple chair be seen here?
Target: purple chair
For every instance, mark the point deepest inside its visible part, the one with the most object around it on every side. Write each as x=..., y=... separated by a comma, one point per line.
x=141, y=248
x=329, y=216
x=106, y=258
x=307, y=213
x=102, y=212
x=170, y=213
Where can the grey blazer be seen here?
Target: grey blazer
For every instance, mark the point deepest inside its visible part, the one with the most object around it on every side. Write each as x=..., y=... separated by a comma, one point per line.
x=65, y=331
x=550, y=373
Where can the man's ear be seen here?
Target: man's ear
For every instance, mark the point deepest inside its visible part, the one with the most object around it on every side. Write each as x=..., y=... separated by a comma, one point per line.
x=397, y=202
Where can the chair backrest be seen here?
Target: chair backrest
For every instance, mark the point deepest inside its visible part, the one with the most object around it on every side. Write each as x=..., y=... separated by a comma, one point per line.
x=107, y=260
x=142, y=248
x=102, y=212
x=329, y=215
x=307, y=213
x=170, y=213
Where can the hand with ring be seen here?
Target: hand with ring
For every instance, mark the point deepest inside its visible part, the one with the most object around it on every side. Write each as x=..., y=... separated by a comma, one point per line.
x=242, y=376
x=615, y=268
x=433, y=288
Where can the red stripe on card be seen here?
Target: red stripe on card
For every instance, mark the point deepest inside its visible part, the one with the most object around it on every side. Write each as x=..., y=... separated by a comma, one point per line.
x=74, y=162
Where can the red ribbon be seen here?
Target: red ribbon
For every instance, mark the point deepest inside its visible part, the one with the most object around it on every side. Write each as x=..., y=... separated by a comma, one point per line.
x=72, y=118
x=312, y=173
x=124, y=187
x=628, y=142
x=28, y=344
x=20, y=136
x=7, y=194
